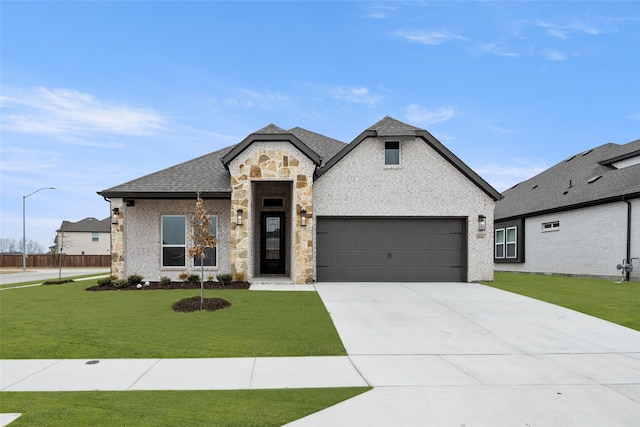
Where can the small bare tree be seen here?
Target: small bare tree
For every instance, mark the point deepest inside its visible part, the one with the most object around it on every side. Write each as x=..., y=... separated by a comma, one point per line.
x=203, y=238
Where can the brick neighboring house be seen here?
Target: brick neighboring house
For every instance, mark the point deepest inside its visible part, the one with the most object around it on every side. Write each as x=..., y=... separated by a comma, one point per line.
x=294, y=206
x=579, y=217
x=88, y=236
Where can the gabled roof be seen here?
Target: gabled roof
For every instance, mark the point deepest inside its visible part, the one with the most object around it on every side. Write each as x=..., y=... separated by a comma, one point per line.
x=389, y=127
x=271, y=133
x=90, y=225
x=585, y=179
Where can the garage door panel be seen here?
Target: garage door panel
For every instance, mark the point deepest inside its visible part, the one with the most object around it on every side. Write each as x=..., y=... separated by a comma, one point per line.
x=391, y=249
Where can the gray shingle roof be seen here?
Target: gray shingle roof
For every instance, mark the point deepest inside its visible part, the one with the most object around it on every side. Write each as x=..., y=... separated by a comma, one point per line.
x=326, y=147
x=389, y=126
x=574, y=182
x=87, y=225
x=205, y=174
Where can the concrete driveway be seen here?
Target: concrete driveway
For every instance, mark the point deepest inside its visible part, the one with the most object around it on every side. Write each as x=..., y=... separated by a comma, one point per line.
x=463, y=354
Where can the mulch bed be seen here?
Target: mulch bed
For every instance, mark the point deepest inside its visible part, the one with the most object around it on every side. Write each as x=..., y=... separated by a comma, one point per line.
x=191, y=304
x=172, y=285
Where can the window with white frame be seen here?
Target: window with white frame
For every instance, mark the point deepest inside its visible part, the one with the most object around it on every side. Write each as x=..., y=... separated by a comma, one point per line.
x=511, y=240
x=506, y=240
x=210, y=254
x=392, y=153
x=499, y=253
x=551, y=226
x=174, y=240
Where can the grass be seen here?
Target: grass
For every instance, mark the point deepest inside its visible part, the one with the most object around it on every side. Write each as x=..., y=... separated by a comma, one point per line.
x=616, y=302
x=65, y=321
x=171, y=408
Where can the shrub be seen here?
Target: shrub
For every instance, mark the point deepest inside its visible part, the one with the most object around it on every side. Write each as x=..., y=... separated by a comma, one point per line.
x=193, y=278
x=105, y=281
x=210, y=277
x=239, y=276
x=113, y=277
x=225, y=279
x=182, y=276
x=134, y=279
x=164, y=281
x=120, y=283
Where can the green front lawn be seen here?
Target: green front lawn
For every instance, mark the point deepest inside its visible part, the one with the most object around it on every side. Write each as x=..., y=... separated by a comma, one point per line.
x=616, y=302
x=171, y=408
x=67, y=322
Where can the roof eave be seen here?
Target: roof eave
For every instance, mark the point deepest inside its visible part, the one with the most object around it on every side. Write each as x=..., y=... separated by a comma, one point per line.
x=166, y=194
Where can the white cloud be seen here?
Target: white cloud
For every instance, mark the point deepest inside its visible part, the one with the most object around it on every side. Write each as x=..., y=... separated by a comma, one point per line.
x=429, y=38
x=70, y=113
x=416, y=114
x=247, y=98
x=379, y=11
x=358, y=95
x=495, y=49
x=564, y=31
x=554, y=55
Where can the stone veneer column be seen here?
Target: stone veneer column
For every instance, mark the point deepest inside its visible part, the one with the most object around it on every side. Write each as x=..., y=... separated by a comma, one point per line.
x=276, y=165
x=117, y=240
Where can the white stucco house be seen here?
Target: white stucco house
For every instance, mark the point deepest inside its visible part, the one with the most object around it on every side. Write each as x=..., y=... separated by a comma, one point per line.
x=293, y=206
x=88, y=236
x=579, y=217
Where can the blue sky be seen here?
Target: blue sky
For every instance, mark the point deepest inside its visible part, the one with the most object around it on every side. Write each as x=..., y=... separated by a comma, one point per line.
x=94, y=94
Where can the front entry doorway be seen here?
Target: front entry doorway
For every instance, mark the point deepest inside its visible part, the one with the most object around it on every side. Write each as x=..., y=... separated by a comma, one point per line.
x=272, y=243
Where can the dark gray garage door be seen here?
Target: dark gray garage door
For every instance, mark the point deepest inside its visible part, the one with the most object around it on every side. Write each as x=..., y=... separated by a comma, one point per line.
x=391, y=249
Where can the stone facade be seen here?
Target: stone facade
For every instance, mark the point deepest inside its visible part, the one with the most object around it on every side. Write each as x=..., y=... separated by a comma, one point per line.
x=272, y=161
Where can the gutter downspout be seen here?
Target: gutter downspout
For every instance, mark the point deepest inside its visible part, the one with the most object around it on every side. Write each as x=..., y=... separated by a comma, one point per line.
x=628, y=260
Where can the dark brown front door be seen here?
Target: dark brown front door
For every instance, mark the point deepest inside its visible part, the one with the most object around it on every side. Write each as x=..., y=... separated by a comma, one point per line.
x=272, y=243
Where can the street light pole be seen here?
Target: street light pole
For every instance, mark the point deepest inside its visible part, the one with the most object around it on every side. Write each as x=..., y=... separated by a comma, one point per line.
x=24, y=227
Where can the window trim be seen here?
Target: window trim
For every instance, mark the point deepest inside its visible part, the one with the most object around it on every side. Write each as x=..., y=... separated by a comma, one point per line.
x=499, y=244
x=514, y=243
x=163, y=245
x=393, y=165
x=505, y=244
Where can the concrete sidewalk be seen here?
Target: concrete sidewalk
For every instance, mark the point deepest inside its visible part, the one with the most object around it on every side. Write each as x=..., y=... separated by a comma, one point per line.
x=178, y=374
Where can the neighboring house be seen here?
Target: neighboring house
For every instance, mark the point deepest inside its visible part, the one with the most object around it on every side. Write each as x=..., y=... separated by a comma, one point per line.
x=295, y=206
x=89, y=236
x=580, y=217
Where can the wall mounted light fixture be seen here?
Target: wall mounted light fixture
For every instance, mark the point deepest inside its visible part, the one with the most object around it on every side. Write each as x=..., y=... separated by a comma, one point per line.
x=239, y=214
x=482, y=223
x=115, y=216
x=303, y=218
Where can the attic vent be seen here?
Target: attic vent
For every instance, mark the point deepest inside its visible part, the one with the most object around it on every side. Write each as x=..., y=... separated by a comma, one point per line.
x=586, y=152
x=564, y=193
x=594, y=179
x=534, y=187
x=571, y=158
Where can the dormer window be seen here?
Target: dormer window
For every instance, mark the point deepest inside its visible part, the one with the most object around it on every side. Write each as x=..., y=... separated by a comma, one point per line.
x=392, y=153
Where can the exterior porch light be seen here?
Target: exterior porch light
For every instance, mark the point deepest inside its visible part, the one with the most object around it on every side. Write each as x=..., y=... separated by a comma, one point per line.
x=482, y=223
x=114, y=217
x=239, y=213
x=303, y=218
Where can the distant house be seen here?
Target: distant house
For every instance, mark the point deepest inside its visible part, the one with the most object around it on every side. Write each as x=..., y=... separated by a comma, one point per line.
x=295, y=206
x=580, y=217
x=89, y=236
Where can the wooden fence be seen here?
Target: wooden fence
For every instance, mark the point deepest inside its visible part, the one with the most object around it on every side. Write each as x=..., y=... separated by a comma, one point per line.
x=46, y=261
